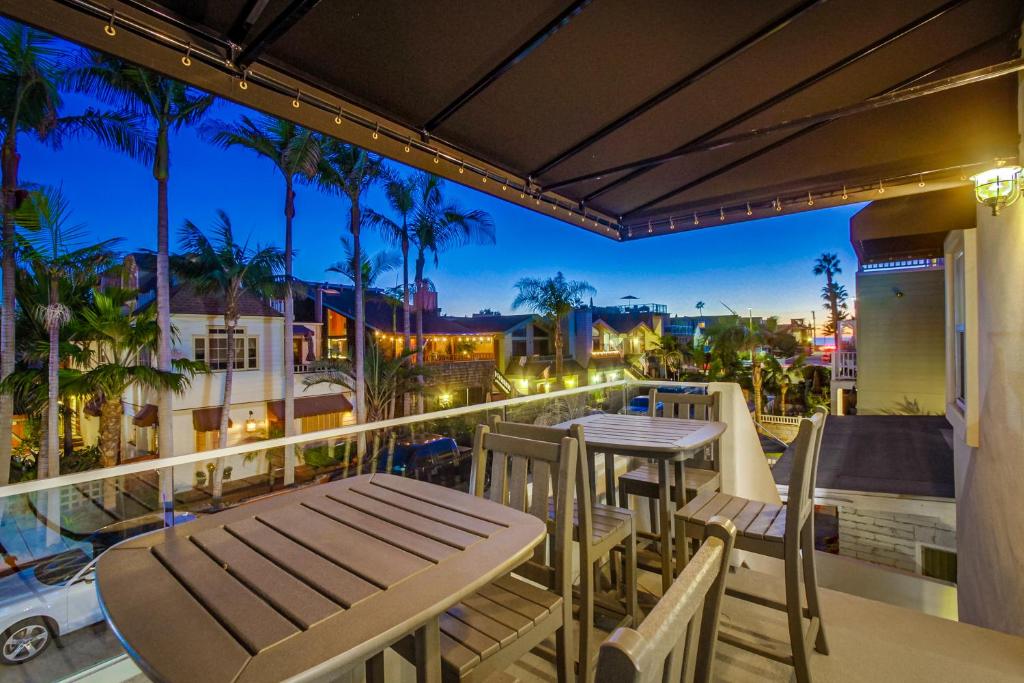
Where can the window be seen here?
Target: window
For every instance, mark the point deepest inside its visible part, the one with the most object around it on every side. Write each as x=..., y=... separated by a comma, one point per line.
x=518, y=347
x=959, y=330
x=337, y=335
x=938, y=563
x=213, y=349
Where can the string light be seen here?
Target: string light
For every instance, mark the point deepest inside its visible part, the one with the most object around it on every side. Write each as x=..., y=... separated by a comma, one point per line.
x=696, y=221
x=187, y=57
x=295, y=102
x=749, y=212
x=650, y=229
x=504, y=185
x=462, y=168
x=437, y=159
x=963, y=176
x=483, y=179
x=376, y=132
x=109, y=28
x=778, y=204
x=721, y=213
x=881, y=188
x=920, y=180
x=845, y=196
x=408, y=144
x=810, y=199
x=671, y=224
x=244, y=84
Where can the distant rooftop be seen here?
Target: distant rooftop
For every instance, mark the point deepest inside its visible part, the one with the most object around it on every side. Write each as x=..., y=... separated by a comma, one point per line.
x=898, y=454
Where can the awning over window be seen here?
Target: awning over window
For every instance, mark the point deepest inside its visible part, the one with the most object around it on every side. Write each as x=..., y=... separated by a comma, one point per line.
x=146, y=417
x=208, y=419
x=308, y=406
x=301, y=331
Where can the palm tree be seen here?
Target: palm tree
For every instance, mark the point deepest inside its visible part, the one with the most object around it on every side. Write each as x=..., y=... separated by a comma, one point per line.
x=226, y=268
x=349, y=171
x=667, y=349
x=374, y=266
x=166, y=106
x=700, y=314
x=828, y=265
x=294, y=152
x=30, y=104
x=52, y=250
x=784, y=377
x=441, y=225
x=122, y=337
x=401, y=195
x=554, y=298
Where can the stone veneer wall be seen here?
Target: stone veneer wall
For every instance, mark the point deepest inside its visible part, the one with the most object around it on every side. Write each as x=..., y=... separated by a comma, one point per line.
x=890, y=538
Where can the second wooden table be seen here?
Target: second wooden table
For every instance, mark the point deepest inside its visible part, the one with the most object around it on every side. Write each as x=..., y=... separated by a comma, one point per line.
x=667, y=440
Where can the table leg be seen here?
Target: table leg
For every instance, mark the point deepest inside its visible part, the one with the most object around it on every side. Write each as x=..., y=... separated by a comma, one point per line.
x=680, y=501
x=666, y=526
x=428, y=652
x=609, y=478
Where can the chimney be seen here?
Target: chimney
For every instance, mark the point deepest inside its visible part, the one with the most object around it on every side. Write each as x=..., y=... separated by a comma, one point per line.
x=318, y=304
x=130, y=274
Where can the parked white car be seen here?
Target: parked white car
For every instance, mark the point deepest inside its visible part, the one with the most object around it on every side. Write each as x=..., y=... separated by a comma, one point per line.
x=58, y=595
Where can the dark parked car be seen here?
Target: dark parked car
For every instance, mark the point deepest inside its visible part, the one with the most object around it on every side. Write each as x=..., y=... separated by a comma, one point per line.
x=429, y=457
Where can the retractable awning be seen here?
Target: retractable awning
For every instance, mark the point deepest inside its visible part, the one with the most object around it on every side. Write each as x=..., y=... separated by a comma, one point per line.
x=147, y=416
x=208, y=419
x=308, y=406
x=600, y=112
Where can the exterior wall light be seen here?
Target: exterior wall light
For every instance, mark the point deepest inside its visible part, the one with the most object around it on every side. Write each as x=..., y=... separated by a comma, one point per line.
x=998, y=187
x=250, y=424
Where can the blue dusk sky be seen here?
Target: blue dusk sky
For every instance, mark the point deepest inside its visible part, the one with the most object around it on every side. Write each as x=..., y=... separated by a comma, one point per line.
x=764, y=264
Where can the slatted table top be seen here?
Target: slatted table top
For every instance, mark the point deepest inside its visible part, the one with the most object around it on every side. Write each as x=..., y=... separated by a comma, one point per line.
x=305, y=582
x=654, y=436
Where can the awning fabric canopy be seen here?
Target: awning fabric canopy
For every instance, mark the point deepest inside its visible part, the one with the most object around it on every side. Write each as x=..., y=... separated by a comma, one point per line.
x=536, y=102
x=308, y=406
x=208, y=419
x=302, y=331
x=147, y=416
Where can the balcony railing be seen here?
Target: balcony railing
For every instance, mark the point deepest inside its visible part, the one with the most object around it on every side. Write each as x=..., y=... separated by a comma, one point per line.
x=457, y=357
x=844, y=365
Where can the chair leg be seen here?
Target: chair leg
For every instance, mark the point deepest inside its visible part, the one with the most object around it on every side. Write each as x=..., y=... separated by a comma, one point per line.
x=563, y=646
x=632, y=609
x=374, y=668
x=794, y=611
x=682, y=545
x=586, y=623
x=811, y=585
x=652, y=509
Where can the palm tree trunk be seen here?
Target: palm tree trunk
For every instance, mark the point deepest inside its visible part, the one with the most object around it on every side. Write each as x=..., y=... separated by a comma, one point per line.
x=420, y=263
x=782, y=399
x=165, y=408
x=558, y=348
x=9, y=159
x=360, y=331
x=289, y=324
x=110, y=431
x=230, y=320
x=69, y=433
x=52, y=384
x=756, y=380
x=42, y=462
x=406, y=326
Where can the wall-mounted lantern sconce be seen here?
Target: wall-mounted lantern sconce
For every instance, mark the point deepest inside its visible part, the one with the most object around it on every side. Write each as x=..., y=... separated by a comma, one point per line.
x=250, y=424
x=998, y=187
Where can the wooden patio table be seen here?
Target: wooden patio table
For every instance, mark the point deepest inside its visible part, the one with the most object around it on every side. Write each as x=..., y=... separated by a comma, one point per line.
x=668, y=440
x=308, y=583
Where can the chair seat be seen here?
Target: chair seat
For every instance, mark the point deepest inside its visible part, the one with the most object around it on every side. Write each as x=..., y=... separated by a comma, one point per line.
x=491, y=621
x=756, y=521
x=608, y=523
x=643, y=481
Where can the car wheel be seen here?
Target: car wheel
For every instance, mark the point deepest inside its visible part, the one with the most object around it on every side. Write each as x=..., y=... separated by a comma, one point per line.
x=24, y=641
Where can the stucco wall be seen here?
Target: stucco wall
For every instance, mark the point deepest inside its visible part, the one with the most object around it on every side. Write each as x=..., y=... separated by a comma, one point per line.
x=901, y=343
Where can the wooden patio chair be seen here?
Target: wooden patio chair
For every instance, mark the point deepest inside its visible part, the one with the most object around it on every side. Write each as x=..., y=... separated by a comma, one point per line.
x=500, y=623
x=597, y=528
x=700, y=477
x=785, y=532
x=677, y=640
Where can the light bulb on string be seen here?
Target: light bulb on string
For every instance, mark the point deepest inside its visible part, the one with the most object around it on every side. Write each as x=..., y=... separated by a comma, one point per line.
x=881, y=187
x=845, y=196
x=650, y=228
x=920, y=180
x=810, y=199
x=437, y=159
x=721, y=213
x=408, y=144
x=186, y=59
x=462, y=168
x=778, y=204
x=243, y=84
x=295, y=102
x=376, y=132
x=109, y=28
x=696, y=220
x=337, y=118
x=504, y=185
x=671, y=224
x=749, y=212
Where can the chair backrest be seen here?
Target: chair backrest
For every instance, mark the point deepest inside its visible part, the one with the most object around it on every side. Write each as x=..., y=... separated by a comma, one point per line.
x=555, y=435
x=817, y=449
x=686, y=406
x=676, y=642
x=805, y=447
x=553, y=466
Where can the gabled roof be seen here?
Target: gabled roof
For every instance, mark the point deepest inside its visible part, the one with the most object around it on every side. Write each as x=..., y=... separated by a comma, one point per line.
x=623, y=323
x=481, y=324
x=186, y=301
